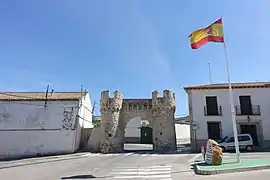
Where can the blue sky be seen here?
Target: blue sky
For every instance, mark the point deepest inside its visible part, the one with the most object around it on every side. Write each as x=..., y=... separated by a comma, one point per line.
x=128, y=45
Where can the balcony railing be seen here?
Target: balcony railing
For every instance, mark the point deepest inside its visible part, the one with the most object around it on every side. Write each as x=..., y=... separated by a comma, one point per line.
x=253, y=110
x=212, y=112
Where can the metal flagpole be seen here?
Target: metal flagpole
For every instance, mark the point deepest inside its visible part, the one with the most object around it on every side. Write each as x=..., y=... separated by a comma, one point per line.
x=232, y=106
x=210, y=76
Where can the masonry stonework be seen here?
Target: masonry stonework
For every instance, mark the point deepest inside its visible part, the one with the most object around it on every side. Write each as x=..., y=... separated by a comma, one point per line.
x=110, y=117
x=163, y=109
x=116, y=113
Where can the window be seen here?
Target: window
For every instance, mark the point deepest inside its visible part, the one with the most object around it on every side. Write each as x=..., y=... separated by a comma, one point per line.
x=231, y=139
x=224, y=139
x=243, y=138
x=245, y=105
x=211, y=105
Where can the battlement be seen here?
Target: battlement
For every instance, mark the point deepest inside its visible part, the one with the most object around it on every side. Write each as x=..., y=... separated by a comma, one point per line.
x=167, y=94
x=137, y=104
x=107, y=102
x=168, y=98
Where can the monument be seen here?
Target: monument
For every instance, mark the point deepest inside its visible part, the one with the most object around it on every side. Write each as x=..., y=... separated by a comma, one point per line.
x=213, y=153
x=116, y=112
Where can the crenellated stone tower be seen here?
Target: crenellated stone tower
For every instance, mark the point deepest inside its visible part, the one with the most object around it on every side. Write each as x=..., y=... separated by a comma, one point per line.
x=116, y=112
x=110, y=116
x=163, y=109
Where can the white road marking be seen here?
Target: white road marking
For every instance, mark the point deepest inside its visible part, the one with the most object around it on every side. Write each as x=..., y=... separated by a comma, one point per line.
x=146, y=154
x=194, y=158
x=143, y=167
x=142, y=177
x=142, y=172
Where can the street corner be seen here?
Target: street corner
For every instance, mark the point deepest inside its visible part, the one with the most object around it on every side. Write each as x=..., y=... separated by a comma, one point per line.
x=201, y=168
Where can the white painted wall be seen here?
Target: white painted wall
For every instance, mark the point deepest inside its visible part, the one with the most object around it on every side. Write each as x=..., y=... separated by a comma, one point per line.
x=132, y=129
x=84, y=117
x=85, y=112
x=259, y=96
x=28, y=128
x=182, y=131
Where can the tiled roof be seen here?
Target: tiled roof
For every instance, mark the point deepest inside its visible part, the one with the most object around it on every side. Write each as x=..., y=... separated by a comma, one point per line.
x=234, y=85
x=35, y=96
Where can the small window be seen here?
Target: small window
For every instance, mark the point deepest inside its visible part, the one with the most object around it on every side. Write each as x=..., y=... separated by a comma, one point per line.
x=243, y=138
x=231, y=139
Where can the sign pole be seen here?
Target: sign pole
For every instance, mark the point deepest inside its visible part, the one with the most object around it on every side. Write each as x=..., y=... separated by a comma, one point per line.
x=210, y=75
x=236, y=144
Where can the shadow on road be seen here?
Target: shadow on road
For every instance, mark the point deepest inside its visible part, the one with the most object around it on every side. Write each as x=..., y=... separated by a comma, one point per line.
x=85, y=176
x=79, y=177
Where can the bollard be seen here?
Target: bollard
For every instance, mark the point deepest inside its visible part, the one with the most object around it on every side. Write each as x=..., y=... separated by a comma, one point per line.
x=203, y=151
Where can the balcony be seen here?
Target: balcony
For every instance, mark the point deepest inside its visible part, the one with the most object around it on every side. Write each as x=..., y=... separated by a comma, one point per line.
x=252, y=111
x=213, y=111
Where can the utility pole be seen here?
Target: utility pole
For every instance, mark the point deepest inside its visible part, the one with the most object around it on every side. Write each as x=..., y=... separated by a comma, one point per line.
x=46, y=96
x=210, y=74
x=93, y=108
x=81, y=95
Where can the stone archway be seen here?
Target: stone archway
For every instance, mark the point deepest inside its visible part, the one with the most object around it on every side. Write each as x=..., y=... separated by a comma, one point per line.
x=117, y=111
x=132, y=130
x=138, y=135
x=135, y=129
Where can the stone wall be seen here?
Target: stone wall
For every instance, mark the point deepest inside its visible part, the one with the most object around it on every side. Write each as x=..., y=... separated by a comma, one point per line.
x=85, y=135
x=110, y=115
x=94, y=140
x=163, y=121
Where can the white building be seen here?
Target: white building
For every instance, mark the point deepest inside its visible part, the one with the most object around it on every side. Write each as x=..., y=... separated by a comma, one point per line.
x=210, y=112
x=182, y=130
x=31, y=124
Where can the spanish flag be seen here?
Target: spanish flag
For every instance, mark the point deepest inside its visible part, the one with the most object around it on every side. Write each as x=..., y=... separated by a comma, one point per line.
x=212, y=33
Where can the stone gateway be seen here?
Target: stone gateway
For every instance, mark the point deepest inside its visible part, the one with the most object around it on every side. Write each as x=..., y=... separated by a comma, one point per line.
x=117, y=111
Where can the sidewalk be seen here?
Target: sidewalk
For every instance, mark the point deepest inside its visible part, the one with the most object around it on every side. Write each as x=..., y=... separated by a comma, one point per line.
x=38, y=160
x=230, y=166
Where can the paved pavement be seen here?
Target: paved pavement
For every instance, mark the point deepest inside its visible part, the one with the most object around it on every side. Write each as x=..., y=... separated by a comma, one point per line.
x=131, y=165
x=143, y=165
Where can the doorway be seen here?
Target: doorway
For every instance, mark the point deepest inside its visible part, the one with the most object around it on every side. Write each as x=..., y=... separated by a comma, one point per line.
x=252, y=130
x=214, y=131
x=146, y=135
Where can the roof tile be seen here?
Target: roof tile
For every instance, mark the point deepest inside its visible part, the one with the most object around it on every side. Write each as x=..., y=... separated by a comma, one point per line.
x=14, y=96
x=226, y=86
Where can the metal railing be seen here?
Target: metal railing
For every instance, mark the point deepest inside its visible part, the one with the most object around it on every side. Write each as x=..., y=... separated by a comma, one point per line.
x=253, y=110
x=213, y=112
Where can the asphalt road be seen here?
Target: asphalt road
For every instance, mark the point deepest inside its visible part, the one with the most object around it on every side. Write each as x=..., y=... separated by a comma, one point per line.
x=131, y=165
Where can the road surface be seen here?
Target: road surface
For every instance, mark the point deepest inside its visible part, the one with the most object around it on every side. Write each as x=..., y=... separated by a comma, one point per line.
x=127, y=166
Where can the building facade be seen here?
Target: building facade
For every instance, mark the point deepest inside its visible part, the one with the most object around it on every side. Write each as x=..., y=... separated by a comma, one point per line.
x=32, y=124
x=210, y=112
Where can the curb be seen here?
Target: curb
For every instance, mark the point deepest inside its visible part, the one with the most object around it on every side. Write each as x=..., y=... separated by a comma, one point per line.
x=204, y=172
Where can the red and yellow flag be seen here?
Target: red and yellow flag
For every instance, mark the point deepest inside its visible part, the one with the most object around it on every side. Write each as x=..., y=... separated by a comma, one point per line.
x=212, y=33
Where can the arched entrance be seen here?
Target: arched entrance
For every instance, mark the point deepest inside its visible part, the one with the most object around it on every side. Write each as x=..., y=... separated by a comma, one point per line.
x=138, y=135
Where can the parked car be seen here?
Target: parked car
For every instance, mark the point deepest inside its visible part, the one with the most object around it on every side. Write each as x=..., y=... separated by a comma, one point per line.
x=245, y=142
